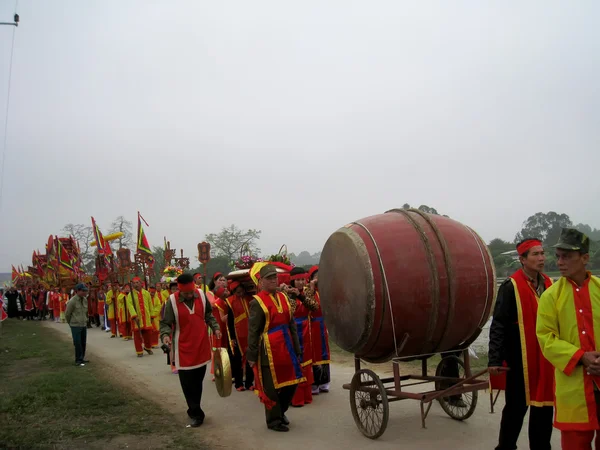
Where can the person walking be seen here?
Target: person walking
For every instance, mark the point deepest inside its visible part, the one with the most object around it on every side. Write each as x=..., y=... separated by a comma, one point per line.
x=77, y=317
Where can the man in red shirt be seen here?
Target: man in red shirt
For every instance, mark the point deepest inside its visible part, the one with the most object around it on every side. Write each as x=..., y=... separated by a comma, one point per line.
x=187, y=315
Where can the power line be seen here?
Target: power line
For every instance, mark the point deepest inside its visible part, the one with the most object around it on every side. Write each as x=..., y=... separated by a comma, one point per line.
x=12, y=49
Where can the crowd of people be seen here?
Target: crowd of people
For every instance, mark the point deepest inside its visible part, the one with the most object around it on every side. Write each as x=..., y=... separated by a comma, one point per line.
x=274, y=331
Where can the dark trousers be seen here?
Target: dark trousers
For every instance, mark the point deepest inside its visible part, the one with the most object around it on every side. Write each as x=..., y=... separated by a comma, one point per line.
x=191, y=384
x=321, y=374
x=237, y=371
x=540, y=418
x=282, y=398
x=79, y=341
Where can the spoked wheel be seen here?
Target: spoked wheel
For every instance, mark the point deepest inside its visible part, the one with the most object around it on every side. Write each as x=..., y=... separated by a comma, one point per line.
x=461, y=406
x=369, y=403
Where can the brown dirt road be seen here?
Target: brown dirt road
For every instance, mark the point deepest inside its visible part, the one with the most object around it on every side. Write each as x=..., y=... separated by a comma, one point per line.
x=238, y=421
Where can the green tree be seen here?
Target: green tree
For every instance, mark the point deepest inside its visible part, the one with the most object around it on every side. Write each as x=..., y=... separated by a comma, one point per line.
x=159, y=263
x=498, y=246
x=231, y=240
x=545, y=226
x=593, y=234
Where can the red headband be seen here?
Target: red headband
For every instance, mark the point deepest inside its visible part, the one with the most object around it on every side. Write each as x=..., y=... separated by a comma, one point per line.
x=136, y=279
x=528, y=245
x=197, y=275
x=186, y=287
x=233, y=286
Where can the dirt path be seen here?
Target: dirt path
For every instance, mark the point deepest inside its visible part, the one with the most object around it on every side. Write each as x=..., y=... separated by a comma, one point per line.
x=238, y=421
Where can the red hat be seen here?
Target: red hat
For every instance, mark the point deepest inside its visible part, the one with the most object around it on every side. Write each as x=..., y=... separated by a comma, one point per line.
x=233, y=285
x=136, y=279
x=283, y=278
x=312, y=271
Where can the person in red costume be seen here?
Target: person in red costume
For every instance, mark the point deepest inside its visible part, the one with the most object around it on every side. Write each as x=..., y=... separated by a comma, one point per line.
x=216, y=295
x=237, y=330
x=273, y=349
x=319, y=335
x=302, y=307
x=189, y=314
x=513, y=343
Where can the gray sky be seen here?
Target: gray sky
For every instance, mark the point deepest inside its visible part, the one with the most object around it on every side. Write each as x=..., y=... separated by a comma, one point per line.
x=296, y=117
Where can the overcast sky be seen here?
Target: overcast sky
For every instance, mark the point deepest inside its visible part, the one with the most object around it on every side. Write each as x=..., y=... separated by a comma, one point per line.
x=296, y=117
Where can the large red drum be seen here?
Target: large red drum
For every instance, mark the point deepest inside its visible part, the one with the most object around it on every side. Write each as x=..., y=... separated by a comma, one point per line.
x=405, y=284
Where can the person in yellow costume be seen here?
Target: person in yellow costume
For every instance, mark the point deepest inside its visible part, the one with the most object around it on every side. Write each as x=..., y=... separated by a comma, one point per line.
x=111, y=299
x=164, y=293
x=124, y=324
x=568, y=330
x=156, y=307
x=141, y=309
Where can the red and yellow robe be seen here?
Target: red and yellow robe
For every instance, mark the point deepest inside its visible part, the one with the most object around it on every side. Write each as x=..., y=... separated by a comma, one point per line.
x=568, y=325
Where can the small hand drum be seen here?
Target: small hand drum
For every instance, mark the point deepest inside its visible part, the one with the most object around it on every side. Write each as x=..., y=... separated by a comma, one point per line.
x=222, y=371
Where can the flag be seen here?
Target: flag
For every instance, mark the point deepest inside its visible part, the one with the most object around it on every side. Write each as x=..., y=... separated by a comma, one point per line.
x=100, y=242
x=63, y=257
x=142, y=241
x=15, y=273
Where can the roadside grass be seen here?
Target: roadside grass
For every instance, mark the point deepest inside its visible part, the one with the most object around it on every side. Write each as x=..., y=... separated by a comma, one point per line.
x=48, y=402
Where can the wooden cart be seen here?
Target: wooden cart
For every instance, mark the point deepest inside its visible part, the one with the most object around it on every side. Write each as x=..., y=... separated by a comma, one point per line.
x=454, y=387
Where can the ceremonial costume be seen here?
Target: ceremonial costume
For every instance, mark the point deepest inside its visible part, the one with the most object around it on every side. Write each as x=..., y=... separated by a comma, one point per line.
x=124, y=325
x=29, y=305
x=568, y=324
x=140, y=309
x=156, y=307
x=55, y=299
x=111, y=297
x=302, y=308
x=219, y=310
x=189, y=319
x=320, y=341
x=49, y=305
x=64, y=298
x=101, y=299
x=274, y=348
x=237, y=330
x=530, y=380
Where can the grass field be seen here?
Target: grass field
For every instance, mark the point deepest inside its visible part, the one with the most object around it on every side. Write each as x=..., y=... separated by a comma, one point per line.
x=48, y=402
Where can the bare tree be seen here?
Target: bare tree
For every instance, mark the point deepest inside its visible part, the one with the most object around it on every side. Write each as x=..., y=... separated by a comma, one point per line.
x=124, y=226
x=230, y=240
x=84, y=235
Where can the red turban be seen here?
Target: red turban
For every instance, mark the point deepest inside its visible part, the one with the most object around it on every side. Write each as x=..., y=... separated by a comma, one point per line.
x=528, y=245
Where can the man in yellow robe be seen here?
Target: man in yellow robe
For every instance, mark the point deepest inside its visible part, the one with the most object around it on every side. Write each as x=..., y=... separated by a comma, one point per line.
x=568, y=330
x=140, y=308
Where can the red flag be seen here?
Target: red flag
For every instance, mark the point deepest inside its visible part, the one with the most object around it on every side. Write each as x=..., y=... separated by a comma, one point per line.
x=15, y=273
x=142, y=241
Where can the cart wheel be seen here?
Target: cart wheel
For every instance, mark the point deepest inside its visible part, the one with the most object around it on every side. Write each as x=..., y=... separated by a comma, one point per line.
x=369, y=403
x=461, y=406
